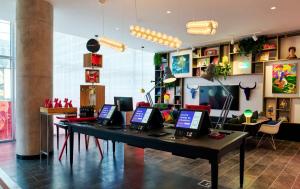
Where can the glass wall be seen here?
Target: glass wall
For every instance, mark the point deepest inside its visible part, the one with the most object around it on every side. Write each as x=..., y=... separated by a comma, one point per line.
x=6, y=80
x=123, y=74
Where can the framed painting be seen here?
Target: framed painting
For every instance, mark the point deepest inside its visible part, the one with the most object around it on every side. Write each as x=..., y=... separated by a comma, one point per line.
x=92, y=76
x=284, y=78
x=181, y=63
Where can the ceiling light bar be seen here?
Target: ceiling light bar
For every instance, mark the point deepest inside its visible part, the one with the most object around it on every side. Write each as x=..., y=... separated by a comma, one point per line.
x=154, y=36
x=112, y=44
x=206, y=27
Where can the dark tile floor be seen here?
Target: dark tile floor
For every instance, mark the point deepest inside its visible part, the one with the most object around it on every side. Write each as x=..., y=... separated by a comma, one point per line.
x=134, y=169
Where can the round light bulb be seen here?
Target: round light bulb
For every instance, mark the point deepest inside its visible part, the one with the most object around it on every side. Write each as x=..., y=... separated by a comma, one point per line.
x=137, y=28
x=142, y=29
x=160, y=41
x=159, y=34
x=164, y=36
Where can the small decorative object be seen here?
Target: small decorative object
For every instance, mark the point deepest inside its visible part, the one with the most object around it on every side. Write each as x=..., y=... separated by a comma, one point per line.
x=166, y=98
x=264, y=56
x=215, y=61
x=283, y=104
x=211, y=51
x=248, y=114
x=92, y=60
x=93, y=45
x=284, y=78
x=292, y=53
x=247, y=90
x=270, y=110
x=142, y=90
x=70, y=104
x=56, y=103
x=181, y=64
x=66, y=105
x=59, y=104
x=193, y=91
x=92, y=76
x=177, y=101
x=48, y=103
x=269, y=46
x=283, y=118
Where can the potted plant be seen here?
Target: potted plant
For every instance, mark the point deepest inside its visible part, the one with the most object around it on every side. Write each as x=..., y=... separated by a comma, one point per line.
x=248, y=45
x=157, y=60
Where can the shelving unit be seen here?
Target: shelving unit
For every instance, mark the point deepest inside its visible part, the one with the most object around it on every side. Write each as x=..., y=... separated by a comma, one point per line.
x=174, y=89
x=278, y=108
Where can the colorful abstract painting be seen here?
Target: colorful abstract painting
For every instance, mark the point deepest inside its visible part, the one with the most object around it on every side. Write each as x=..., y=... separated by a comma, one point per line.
x=284, y=78
x=181, y=64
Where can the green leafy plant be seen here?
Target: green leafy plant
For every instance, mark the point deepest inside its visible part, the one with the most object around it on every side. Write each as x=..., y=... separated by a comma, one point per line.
x=157, y=60
x=223, y=70
x=248, y=45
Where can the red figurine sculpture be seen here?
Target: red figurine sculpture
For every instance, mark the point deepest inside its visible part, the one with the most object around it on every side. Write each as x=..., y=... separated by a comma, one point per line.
x=70, y=104
x=66, y=103
x=59, y=104
x=56, y=103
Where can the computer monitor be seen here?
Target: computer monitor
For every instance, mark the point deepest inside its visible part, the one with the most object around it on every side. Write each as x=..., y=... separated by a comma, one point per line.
x=107, y=111
x=124, y=103
x=147, y=118
x=189, y=119
x=196, y=121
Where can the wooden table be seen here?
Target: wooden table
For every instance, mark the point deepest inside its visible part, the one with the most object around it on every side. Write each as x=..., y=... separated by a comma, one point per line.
x=202, y=147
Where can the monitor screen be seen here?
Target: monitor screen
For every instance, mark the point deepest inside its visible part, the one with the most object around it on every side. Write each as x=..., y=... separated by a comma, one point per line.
x=107, y=111
x=124, y=103
x=141, y=115
x=189, y=119
x=215, y=96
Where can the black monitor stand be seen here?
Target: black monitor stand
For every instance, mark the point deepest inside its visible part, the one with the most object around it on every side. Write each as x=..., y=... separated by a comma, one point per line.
x=115, y=120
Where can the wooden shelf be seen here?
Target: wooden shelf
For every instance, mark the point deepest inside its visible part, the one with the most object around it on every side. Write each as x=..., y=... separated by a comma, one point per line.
x=283, y=110
x=270, y=49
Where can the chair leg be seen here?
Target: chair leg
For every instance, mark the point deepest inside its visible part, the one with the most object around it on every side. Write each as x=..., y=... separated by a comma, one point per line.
x=258, y=144
x=99, y=147
x=66, y=134
x=57, y=136
x=273, y=142
x=64, y=146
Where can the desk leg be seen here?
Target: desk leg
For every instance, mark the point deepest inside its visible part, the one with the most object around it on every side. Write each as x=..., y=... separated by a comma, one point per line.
x=78, y=142
x=214, y=173
x=114, y=146
x=71, y=145
x=47, y=128
x=41, y=146
x=242, y=162
x=66, y=134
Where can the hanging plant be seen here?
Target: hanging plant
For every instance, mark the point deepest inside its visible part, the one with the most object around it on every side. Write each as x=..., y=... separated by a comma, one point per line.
x=157, y=60
x=248, y=45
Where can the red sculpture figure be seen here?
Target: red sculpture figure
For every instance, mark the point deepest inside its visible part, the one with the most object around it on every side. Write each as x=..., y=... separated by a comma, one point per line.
x=70, y=104
x=48, y=103
x=56, y=104
x=59, y=104
x=66, y=103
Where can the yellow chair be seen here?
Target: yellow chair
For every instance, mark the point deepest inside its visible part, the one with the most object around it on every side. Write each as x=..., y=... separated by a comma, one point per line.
x=271, y=130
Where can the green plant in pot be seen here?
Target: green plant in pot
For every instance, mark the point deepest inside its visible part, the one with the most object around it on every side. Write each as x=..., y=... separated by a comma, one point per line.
x=248, y=45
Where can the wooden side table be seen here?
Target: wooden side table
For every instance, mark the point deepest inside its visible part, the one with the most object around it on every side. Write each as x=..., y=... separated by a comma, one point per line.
x=50, y=112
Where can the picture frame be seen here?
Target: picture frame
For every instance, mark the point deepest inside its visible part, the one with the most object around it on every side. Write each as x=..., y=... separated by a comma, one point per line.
x=92, y=76
x=181, y=63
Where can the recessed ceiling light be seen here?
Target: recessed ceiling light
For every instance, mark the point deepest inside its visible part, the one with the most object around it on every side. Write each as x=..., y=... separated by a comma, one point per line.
x=117, y=28
x=273, y=8
x=168, y=12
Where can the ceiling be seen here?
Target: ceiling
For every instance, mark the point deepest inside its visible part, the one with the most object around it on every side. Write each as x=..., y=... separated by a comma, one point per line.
x=236, y=18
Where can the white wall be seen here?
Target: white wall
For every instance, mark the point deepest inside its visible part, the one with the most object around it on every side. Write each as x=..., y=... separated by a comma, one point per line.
x=256, y=98
x=123, y=74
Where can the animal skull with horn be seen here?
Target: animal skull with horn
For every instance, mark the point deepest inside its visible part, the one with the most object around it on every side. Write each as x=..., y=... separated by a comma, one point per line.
x=247, y=90
x=193, y=91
